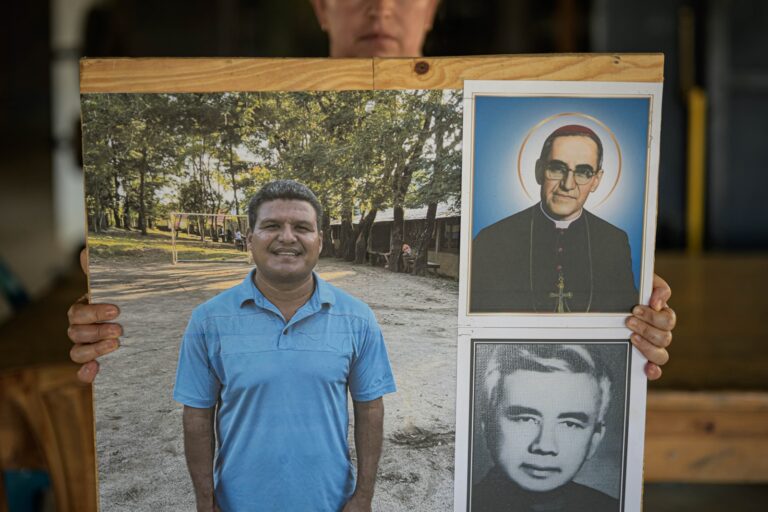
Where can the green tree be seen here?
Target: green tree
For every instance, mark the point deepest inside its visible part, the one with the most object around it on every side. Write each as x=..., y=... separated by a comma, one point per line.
x=439, y=180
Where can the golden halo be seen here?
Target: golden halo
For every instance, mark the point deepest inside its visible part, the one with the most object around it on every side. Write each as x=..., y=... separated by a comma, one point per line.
x=565, y=114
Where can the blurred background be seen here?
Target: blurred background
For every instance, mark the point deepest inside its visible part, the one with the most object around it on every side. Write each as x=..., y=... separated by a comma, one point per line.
x=708, y=415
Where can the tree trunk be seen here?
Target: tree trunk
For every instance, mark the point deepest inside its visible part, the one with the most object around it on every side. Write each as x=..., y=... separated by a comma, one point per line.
x=233, y=174
x=346, y=235
x=400, y=184
x=396, y=240
x=421, y=252
x=356, y=230
x=142, y=190
x=201, y=228
x=364, y=233
x=327, y=251
x=116, y=203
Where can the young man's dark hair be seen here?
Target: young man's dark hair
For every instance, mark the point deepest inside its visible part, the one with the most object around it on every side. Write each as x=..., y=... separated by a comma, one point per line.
x=283, y=189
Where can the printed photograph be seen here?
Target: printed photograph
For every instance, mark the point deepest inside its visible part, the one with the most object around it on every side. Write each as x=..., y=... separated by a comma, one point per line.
x=186, y=194
x=548, y=426
x=559, y=201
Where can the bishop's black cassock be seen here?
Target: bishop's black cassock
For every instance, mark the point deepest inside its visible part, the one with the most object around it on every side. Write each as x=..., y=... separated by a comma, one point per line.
x=525, y=263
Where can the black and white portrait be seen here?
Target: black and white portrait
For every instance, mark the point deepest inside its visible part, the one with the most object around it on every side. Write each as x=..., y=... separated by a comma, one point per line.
x=547, y=426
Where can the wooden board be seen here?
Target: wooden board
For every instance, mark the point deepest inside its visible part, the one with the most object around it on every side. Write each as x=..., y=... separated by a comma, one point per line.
x=47, y=423
x=450, y=72
x=720, y=339
x=175, y=75
x=223, y=75
x=707, y=437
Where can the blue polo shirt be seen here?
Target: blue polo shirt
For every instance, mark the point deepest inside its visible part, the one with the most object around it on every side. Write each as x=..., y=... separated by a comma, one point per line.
x=281, y=389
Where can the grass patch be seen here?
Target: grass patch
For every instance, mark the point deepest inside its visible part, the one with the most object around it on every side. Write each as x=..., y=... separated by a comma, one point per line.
x=157, y=246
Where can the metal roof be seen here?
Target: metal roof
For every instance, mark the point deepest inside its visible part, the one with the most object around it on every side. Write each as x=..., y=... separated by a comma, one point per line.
x=444, y=211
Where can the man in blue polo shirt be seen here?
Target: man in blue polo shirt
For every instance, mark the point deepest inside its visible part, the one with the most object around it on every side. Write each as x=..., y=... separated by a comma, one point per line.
x=269, y=362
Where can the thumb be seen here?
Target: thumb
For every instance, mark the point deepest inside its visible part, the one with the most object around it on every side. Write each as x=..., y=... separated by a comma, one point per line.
x=84, y=260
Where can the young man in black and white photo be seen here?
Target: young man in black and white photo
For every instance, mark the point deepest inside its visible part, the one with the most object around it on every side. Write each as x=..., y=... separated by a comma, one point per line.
x=543, y=410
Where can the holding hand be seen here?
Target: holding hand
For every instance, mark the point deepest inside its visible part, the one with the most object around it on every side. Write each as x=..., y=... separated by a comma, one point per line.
x=652, y=328
x=357, y=504
x=91, y=332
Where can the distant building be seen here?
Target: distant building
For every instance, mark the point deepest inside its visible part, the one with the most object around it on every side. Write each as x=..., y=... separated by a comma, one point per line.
x=444, y=243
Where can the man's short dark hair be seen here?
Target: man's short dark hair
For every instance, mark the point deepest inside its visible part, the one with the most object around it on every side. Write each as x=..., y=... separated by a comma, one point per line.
x=283, y=189
x=572, y=130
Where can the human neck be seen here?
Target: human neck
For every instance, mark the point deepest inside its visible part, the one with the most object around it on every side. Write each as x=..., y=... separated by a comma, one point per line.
x=288, y=298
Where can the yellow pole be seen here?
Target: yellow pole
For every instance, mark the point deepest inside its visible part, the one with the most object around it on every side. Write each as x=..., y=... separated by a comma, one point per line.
x=697, y=147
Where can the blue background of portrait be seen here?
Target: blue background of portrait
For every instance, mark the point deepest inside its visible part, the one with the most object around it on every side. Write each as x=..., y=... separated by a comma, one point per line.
x=501, y=125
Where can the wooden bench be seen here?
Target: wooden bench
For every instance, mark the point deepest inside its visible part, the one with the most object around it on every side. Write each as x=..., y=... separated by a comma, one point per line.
x=410, y=261
x=376, y=257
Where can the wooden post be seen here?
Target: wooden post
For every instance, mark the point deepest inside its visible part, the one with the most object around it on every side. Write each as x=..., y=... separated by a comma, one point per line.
x=697, y=151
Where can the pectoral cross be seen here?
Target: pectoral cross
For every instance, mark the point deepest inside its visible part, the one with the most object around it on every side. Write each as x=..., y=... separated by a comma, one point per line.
x=560, y=295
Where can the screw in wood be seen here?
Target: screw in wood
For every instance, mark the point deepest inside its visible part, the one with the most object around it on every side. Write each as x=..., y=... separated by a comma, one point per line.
x=421, y=67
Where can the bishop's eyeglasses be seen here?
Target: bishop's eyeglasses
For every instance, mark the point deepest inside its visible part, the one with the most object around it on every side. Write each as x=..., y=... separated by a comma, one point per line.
x=556, y=170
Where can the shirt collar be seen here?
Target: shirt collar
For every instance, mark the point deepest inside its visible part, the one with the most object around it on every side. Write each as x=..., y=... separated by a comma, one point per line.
x=560, y=224
x=248, y=292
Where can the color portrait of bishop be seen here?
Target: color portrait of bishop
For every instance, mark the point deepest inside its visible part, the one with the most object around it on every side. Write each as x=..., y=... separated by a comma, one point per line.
x=555, y=256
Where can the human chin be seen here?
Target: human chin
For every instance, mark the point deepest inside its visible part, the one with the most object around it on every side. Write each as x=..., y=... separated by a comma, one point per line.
x=378, y=46
x=562, y=207
x=287, y=271
x=538, y=478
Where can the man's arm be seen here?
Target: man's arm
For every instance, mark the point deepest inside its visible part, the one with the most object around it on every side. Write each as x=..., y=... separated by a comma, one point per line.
x=199, y=447
x=369, y=432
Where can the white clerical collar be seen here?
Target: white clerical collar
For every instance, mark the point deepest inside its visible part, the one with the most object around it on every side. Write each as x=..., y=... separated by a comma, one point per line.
x=560, y=224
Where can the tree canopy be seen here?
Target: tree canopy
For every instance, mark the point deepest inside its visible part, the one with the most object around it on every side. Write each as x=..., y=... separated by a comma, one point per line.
x=359, y=151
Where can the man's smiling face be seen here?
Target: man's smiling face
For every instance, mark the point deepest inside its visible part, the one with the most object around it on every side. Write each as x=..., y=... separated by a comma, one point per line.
x=546, y=427
x=286, y=242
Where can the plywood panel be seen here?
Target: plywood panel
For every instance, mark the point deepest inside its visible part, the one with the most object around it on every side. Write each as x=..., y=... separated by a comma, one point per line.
x=222, y=75
x=707, y=437
x=450, y=72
